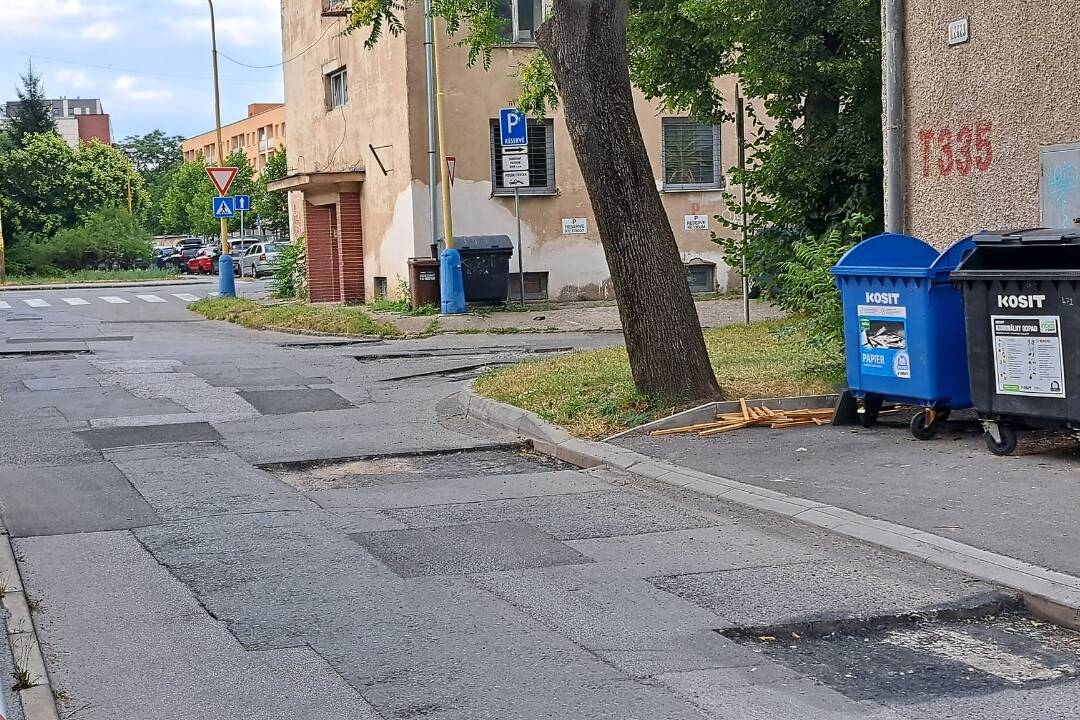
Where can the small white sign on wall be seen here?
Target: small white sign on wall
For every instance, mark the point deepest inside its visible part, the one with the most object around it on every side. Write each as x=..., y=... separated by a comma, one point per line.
x=959, y=31
x=696, y=222
x=575, y=226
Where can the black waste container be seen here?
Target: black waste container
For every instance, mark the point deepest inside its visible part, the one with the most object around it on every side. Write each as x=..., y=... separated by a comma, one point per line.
x=485, y=267
x=1022, y=311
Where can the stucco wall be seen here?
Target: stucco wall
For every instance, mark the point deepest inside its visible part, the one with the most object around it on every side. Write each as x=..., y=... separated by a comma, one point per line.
x=1009, y=91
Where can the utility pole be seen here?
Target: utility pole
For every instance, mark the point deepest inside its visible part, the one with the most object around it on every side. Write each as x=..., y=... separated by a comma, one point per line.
x=217, y=117
x=433, y=142
x=131, y=211
x=3, y=262
x=451, y=283
x=740, y=131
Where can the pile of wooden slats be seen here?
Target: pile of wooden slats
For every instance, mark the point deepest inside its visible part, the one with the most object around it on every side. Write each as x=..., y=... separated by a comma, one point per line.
x=755, y=416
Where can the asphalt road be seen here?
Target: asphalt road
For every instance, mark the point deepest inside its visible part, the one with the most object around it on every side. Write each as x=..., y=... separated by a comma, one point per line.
x=222, y=523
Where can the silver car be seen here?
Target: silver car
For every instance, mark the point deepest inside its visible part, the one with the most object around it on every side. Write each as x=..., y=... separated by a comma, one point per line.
x=259, y=259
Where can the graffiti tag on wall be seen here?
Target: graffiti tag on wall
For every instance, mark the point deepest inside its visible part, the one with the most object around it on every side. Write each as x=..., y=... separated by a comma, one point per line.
x=961, y=151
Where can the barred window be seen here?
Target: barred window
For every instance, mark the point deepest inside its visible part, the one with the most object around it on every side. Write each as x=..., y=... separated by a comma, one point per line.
x=691, y=155
x=541, y=159
x=519, y=19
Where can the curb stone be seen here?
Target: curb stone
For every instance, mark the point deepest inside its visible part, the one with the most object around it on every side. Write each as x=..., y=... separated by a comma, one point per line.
x=1052, y=595
x=99, y=285
x=38, y=701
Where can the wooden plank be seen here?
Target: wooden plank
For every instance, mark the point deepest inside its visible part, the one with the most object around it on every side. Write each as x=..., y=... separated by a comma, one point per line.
x=727, y=428
x=745, y=410
x=688, y=428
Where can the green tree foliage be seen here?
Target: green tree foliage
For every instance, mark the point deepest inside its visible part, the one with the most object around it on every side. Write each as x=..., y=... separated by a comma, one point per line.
x=290, y=271
x=110, y=237
x=154, y=154
x=273, y=207
x=33, y=113
x=812, y=66
x=186, y=206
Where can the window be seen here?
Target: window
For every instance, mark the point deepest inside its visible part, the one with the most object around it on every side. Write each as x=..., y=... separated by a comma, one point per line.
x=380, y=287
x=337, y=89
x=541, y=156
x=520, y=18
x=691, y=155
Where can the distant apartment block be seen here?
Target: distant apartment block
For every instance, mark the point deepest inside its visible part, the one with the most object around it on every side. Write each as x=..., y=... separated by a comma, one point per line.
x=77, y=119
x=259, y=135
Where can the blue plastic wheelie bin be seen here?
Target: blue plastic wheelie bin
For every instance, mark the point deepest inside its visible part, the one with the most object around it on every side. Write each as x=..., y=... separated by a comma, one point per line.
x=904, y=328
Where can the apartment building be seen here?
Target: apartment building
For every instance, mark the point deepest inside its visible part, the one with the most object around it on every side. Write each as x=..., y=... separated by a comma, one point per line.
x=259, y=135
x=78, y=120
x=358, y=155
x=991, y=116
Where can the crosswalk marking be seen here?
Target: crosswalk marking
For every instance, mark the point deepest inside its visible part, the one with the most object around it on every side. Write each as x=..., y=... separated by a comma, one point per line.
x=114, y=300
x=111, y=299
x=4, y=305
x=151, y=298
x=75, y=301
x=37, y=302
x=186, y=297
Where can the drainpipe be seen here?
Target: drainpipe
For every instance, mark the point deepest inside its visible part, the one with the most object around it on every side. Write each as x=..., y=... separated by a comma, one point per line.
x=893, y=76
x=433, y=157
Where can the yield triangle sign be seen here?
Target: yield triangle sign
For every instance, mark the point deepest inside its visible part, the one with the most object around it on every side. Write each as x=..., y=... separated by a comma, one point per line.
x=451, y=168
x=222, y=177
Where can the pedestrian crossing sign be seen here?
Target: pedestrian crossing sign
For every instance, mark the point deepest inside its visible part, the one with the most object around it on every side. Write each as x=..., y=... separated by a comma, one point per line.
x=224, y=207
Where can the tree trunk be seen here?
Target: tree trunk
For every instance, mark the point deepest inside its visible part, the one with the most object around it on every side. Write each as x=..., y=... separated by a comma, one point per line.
x=585, y=42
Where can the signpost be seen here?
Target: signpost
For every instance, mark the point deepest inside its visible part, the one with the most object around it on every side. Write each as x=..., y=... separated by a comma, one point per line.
x=243, y=205
x=514, y=132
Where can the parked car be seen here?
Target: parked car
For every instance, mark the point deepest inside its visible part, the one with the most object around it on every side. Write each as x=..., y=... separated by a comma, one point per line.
x=259, y=259
x=179, y=259
x=161, y=256
x=204, y=262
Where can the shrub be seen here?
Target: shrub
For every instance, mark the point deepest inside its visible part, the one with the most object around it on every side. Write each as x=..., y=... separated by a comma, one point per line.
x=110, y=238
x=290, y=271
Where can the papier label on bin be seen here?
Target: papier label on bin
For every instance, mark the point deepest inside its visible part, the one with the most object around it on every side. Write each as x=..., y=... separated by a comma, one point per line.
x=883, y=341
x=1027, y=355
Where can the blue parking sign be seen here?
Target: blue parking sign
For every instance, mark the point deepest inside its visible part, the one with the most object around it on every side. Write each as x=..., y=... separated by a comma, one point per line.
x=224, y=207
x=514, y=127
x=243, y=203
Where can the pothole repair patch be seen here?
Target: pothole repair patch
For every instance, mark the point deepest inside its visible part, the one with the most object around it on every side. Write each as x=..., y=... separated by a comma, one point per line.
x=911, y=660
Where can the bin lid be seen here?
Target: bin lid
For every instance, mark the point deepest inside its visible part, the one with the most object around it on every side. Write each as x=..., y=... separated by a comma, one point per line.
x=951, y=258
x=1029, y=236
x=478, y=244
x=889, y=254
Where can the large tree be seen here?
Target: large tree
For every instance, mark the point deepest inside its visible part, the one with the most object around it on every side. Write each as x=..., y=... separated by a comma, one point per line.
x=187, y=204
x=585, y=43
x=154, y=154
x=32, y=113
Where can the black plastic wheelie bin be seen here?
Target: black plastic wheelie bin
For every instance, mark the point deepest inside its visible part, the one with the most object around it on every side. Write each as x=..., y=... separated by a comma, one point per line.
x=485, y=267
x=1022, y=311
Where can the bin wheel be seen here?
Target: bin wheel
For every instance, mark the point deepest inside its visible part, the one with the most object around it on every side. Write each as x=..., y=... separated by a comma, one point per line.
x=871, y=408
x=1008, y=441
x=923, y=431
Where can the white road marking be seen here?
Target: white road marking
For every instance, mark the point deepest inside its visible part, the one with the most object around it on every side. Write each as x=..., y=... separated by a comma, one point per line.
x=4, y=305
x=984, y=655
x=75, y=301
x=37, y=302
x=151, y=298
x=186, y=297
x=114, y=300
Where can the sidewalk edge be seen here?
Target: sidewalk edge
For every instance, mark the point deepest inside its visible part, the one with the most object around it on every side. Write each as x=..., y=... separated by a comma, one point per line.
x=102, y=285
x=1049, y=594
x=38, y=701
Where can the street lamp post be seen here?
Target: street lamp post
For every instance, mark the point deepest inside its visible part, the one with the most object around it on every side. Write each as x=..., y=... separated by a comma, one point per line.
x=226, y=286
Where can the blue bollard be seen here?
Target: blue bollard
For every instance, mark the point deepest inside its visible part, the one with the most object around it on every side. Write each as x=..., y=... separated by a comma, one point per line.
x=452, y=286
x=226, y=277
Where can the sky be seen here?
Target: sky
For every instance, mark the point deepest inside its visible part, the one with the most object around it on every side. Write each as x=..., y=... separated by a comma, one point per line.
x=148, y=60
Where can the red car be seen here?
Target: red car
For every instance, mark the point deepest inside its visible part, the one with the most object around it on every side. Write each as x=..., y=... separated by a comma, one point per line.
x=205, y=262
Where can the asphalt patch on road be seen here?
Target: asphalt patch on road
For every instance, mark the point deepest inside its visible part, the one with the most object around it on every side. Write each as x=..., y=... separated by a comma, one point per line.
x=397, y=469
x=462, y=372
x=285, y=402
x=467, y=549
x=103, y=338
x=122, y=437
x=916, y=658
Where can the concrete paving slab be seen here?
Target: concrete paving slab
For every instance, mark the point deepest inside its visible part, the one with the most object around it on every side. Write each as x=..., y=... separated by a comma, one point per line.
x=61, y=383
x=444, y=491
x=87, y=403
x=466, y=549
x=166, y=658
x=565, y=517
x=31, y=444
x=121, y=437
x=183, y=487
x=286, y=402
x=60, y=500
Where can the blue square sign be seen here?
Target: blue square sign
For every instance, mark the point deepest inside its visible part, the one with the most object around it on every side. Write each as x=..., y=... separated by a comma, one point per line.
x=513, y=127
x=243, y=203
x=224, y=207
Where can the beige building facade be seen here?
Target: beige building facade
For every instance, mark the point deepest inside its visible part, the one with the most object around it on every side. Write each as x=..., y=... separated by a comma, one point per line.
x=259, y=135
x=357, y=132
x=991, y=116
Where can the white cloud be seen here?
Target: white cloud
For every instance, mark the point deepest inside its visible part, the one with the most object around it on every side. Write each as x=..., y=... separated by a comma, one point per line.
x=100, y=31
x=128, y=88
x=74, y=80
x=35, y=17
